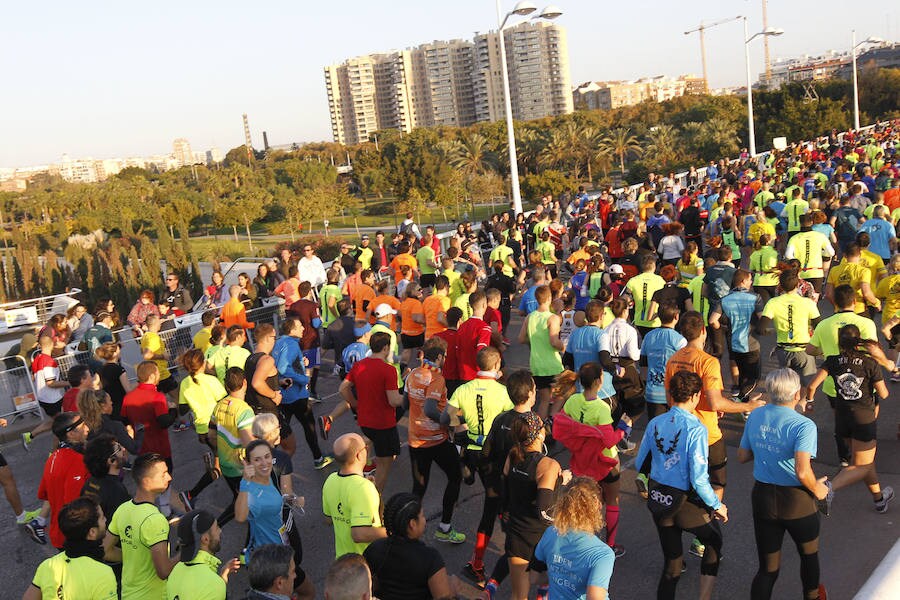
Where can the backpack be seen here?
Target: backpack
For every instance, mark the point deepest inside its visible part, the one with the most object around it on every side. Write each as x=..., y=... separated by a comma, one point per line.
x=844, y=225
x=405, y=228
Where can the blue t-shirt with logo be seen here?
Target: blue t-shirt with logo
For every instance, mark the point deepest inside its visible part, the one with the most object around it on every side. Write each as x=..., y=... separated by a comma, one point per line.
x=574, y=562
x=658, y=346
x=774, y=433
x=880, y=233
x=584, y=346
x=739, y=306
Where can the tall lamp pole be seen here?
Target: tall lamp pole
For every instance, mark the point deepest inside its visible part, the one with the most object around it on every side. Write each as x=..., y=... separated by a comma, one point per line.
x=522, y=9
x=853, y=47
x=768, y=31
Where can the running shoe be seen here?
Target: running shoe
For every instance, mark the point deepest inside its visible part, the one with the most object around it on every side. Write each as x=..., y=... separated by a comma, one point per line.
x=37, y=531
x=468, y=475
x=321, y=463
x=490, y=589
x=626, y=446
x=475, y=574
x=323, y=426
x=697, y=548
x=887, y=494
x=618, y=550
x=28, y=516
x=181, y=427
x=641, y=482
x=314, y=398
x=26, y=440
x=185, y=498
x=823, y=595
x=845, y=462
x=451, y=537
x=825, y=503
x=369, y=470
x=895, y=376
x=543, y=592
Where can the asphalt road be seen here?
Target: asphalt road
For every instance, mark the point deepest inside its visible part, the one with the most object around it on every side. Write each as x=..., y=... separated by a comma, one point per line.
x=853, y=540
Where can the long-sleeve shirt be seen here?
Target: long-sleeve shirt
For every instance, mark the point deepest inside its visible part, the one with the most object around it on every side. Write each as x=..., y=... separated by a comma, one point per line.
x=677, y=444
x=311, y=270
x=289, y=362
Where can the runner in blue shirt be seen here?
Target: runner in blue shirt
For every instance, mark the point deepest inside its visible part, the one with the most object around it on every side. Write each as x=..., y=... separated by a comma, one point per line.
x=681, y=497
x=579, y=564
x=781, y=443
x=657, y=348
x=583, y=347
x=740, y=307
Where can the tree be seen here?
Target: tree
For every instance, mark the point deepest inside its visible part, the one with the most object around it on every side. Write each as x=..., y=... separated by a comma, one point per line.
x=662, y=146
x=470, y=154
x=547, y=182
x=623, y=144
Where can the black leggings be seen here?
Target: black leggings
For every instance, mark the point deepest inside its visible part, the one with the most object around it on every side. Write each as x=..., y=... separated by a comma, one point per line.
x=302, y=410
x=698, y=521
x=447, y=459
x=777, y=509
x=234, y=484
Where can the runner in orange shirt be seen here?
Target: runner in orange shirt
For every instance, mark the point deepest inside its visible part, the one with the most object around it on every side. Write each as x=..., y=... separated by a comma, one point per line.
x=382, y=289
x=404, y=258
x=412, y=322
x=363, y=294
x=436, y=306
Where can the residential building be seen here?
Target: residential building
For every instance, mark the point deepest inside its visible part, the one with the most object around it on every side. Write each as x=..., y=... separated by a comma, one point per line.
x=181, y=151
x=831, y=64
x=606, y=95
x=454, y=82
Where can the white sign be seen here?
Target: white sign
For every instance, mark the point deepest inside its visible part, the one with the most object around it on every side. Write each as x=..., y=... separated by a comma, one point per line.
x=779, y=143
x=15, y=317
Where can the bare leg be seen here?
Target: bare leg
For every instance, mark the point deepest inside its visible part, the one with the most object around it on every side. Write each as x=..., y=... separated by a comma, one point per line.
x=706, y=586
x=543, y=402
x=518, y=574
x=10, y=490
x=862, y=469
x=383, y=464
x=289, y=444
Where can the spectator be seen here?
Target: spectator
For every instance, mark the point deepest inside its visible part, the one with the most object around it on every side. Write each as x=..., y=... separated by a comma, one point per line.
x=310, y=268
x=176, y=296
x=217, y=292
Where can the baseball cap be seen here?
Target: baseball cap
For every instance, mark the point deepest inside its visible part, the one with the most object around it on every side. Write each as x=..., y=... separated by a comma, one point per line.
x=616, y=270
x=191, y=528
x=383, y=310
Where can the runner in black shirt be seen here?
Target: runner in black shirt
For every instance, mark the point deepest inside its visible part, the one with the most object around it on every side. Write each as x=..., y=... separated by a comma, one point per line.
x=507, y=286
x=859, y=384
x=104, y=457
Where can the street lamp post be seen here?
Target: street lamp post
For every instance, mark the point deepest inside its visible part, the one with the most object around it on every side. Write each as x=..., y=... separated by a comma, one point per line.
x=751, y=131
x=521, y=9
x=853, y=47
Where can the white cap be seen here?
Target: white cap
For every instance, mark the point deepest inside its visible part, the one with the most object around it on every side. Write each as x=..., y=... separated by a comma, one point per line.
x=383, y=310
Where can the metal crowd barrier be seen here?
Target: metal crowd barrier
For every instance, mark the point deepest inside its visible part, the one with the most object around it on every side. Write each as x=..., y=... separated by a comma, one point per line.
x=17, y=393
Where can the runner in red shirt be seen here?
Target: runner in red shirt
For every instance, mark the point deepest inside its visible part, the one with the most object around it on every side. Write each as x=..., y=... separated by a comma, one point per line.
x=473, y=335
x=450, y=370
x=371, y=388
x=64, y=472
x=148, y=406
x=80, y=378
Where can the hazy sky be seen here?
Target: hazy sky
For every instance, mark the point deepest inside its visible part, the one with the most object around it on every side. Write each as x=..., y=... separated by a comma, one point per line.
x=113, y=79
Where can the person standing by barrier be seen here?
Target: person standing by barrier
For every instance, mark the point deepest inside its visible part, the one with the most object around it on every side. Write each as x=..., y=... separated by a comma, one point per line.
x=781, y=443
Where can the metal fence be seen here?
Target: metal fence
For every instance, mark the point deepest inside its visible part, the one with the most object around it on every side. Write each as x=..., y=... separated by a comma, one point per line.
x=17, y=394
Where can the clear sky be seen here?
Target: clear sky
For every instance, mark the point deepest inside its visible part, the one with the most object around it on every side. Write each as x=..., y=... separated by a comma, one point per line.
x=113, y=79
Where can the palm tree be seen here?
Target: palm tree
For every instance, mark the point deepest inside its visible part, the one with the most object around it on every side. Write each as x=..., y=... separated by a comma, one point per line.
x=662, y=145
x=622, y=143
x=472, y=155
x=557, y=150
x=722, y=135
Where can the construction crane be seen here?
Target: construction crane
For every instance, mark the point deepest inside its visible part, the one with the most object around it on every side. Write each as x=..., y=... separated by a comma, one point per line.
x=702, y=30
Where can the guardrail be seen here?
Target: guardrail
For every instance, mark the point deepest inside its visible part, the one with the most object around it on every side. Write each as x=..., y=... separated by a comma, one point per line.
x=17, y=392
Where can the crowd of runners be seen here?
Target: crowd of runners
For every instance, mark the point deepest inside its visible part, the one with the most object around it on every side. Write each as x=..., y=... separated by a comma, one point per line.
x=643, y=303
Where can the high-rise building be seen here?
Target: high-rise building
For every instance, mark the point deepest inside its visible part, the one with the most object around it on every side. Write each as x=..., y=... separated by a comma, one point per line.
x=453, y=82
x=181, y=150
x=537, y=55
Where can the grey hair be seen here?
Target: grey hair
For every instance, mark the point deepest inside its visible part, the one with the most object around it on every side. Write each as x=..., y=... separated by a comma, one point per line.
x=268, y=563
x=348, y=578
x=264, y=424
x=782, y=385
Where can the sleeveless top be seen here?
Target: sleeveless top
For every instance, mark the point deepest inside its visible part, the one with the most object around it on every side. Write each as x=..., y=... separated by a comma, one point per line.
x=258, y=403
x=521, y=493
x=544, y=359
x=568, y=324
x=728, y=239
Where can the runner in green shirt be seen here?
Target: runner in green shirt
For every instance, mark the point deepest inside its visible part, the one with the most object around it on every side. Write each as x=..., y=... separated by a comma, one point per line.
x=541, y=332
x=198, y=576
x=329, y=296
x=231, y=423
x=143, y=533
x=475, y=404
x=82, y=575
x=503, y=253
x=641, y=289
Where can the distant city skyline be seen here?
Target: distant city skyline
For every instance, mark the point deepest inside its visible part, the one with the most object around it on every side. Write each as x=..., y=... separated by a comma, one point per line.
x=116, y=80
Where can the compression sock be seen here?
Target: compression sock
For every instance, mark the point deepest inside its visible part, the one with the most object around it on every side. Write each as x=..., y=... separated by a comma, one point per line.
x=501, y=569
x=444, y=527
x=612, y=524
x=481, y=544
x=313, y=379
